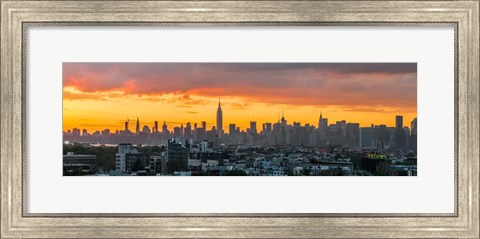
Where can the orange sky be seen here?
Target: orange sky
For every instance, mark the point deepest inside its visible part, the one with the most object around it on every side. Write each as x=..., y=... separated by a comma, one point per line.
x=105, y=95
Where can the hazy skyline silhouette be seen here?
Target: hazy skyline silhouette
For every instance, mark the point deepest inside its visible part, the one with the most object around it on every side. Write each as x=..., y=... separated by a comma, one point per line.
x=104, y=95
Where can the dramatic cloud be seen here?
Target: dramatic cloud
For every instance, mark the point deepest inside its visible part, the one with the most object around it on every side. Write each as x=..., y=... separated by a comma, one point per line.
x=373, y=86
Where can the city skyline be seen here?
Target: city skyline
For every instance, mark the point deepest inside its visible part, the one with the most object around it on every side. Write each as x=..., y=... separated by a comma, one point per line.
x=278, y=149
x=171, y=125
x=100, y=96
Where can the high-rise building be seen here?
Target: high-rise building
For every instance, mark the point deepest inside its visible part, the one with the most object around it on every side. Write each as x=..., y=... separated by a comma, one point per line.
x=120, y=156
x=341, y=127
x=367, y=137
x=400, y=137
x=128, y=159
x=177, y=155
x=353, y=134
x=188, y=131
x=253, y=127
x=165, y=128
x=219, y=119
x=268, y=127
x=156, y=127
x=324, y=123
x=137, y=127
x=76, y=132
x=412, y=140
x=283, y=120
x=407, y=131
x=413, y=126
x=322, y=129
x=382, y=135
x=126, y=126
x=320, y=121
x=106, y=132
x=177, y=132
x=231, y=128
x=200, y=134
x=137, y=162
x=146, y=130
x=204, y=125
x=399, y=122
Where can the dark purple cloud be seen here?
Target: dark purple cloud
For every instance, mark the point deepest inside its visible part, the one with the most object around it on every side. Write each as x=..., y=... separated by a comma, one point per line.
x=386, y=84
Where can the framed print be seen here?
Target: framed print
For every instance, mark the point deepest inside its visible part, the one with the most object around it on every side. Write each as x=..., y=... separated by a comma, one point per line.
x=239, y=119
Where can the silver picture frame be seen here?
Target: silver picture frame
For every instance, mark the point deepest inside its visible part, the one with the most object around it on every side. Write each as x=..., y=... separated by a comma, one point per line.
x=17, y=16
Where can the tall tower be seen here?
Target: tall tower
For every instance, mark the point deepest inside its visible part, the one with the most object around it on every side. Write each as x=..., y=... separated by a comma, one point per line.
x=400, y=136
x=320, y=120
x=399, y=122
x=137, y=128
x=283, y=120
x=413, y=126
x=219, y=119
x=165, y=128
x=253, y=127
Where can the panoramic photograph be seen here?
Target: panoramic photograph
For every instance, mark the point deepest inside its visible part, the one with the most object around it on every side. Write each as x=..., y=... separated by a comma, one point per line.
x=239, y=119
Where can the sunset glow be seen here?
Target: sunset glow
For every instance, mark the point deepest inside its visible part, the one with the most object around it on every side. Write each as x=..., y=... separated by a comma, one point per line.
x=99, y=96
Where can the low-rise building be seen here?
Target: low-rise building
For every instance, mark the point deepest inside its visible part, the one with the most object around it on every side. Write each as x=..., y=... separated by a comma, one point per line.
x=79, y=163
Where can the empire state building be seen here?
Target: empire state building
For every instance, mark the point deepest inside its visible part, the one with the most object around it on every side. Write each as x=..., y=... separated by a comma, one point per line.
x=219, y=119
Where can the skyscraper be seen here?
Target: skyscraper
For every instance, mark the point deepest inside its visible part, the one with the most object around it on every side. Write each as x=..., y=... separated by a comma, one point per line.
x=400, y=137
x=253, y=127
x=219, y=119
x=399, y=122
x=187, y=133
x=268, y=127
x=177, y=132
x=367, y=137
x=413, y=125
x=283, y=120
x=231, y=128
x=126, y=125
x=165, y=128
x=137, y=128
x=156, y=127
x=412, y=140
x=146, y=130
x=320, y=121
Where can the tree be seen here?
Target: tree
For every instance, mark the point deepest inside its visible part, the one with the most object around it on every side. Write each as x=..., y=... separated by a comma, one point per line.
x=357, y=161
